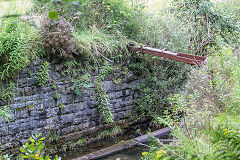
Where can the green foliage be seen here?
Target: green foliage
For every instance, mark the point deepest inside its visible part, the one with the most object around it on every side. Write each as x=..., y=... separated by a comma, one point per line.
x=208, y=112
x=205, y=22
x=8, y=93
x=73, y=145
x=160, y=78
x=57, y=36
x=57, y=95
x=110, y=133
x=82, y=81
x=225, y=139
x=13, y=47
x=33, y=149
x=99, y=43
x=62, y=106
x=53, y=15
x=70, y=66
x=114, y=15
x=6, y=157
x=53, y=137
x=117, y=81
x=81, y=142
x=103, y=103
x=5, y=113
x=43, y=74
x=105, y=70
x=54, y=86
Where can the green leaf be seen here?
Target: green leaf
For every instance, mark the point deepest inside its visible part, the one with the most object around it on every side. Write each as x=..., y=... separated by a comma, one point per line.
x=26, y=145
x=41, y=139
x=32, y=140
x=25, y=156
x=53, y=15
x=67, y=0
x=31, y=147
x=23, y=149
x=41, y=146
x=78, y=13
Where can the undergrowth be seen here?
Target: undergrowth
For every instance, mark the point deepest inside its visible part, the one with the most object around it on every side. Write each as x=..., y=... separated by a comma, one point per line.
x=160, y=78
x=204, y=118
x=14, y=37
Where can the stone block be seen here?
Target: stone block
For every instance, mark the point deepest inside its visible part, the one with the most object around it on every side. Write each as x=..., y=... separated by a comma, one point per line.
x=68, y=118
x=115, y=95
x=107, y=86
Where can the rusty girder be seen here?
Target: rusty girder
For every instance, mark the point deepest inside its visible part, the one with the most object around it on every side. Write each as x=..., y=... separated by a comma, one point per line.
x=182, y=57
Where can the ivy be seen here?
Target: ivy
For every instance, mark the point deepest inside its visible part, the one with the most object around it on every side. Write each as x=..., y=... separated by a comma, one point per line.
x=103, y=103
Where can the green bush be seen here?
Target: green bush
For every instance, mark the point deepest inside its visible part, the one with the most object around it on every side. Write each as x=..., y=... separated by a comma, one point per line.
x=160, y=78
x=14, y=37
x=113, y=15
x=204, y=22
x=208, y=110
x=34, y=149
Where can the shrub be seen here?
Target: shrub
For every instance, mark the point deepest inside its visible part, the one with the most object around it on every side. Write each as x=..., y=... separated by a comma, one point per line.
x=57, y=37
x=34, y=149
x=204, y=22
x=116, y=15
x=160, y=78
x=209, y=127
x=14, y=38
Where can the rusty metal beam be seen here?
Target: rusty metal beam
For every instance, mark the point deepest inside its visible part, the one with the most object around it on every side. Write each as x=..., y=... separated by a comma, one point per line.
x=182, y=57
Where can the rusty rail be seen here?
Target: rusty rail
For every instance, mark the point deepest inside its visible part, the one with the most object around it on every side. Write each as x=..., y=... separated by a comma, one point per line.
x=182, y=57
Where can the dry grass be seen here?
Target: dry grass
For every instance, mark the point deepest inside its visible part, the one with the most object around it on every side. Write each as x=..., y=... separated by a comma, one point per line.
x=15, y=7
x=154, y=6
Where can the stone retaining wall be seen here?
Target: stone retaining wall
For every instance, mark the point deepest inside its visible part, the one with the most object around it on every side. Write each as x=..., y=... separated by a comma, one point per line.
x=36, y=110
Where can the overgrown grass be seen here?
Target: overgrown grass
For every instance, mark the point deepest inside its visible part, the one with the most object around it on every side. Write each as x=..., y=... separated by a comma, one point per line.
x=14, y=37
x=156, y=6
x=96, y=43
x=209, y=109
x=15, y=7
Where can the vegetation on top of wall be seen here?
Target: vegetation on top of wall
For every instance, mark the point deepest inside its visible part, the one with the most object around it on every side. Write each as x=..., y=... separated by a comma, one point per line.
x=57, y=36
x=14, y=37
